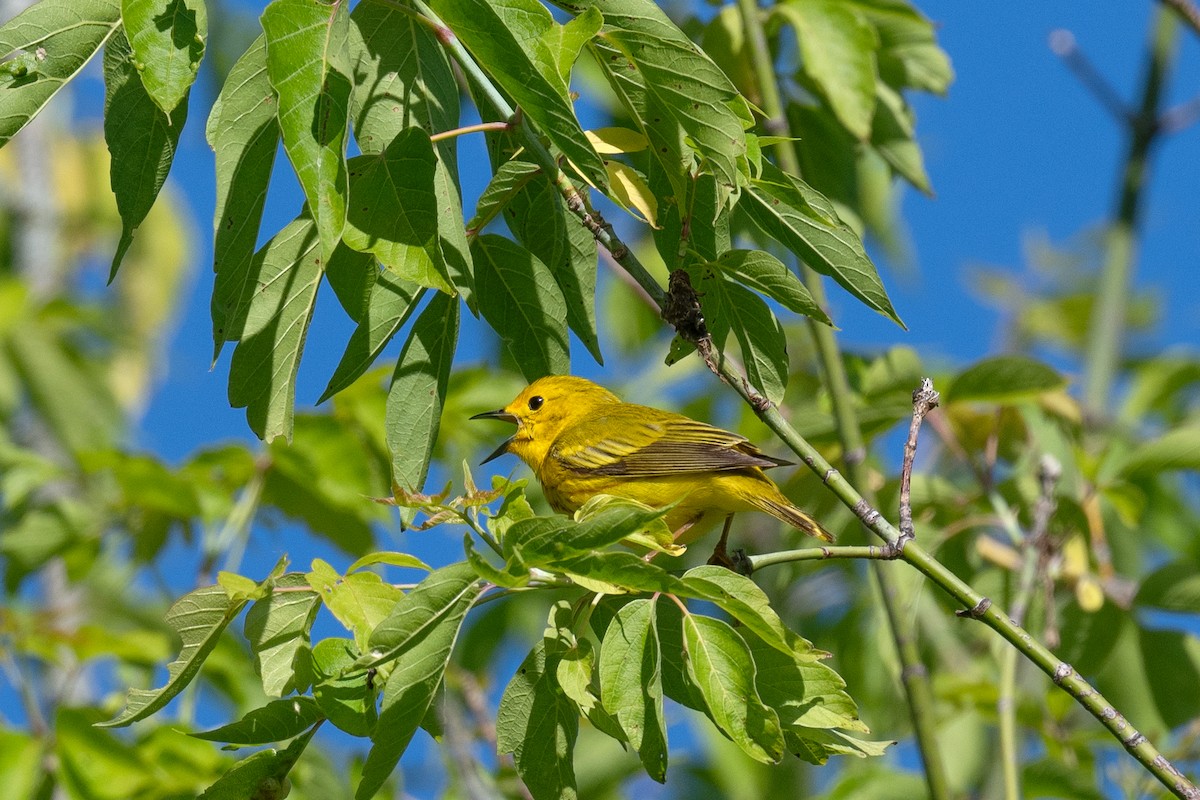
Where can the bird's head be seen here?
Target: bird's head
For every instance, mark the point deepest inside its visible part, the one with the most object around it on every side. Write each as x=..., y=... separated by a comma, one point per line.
x=543, y=410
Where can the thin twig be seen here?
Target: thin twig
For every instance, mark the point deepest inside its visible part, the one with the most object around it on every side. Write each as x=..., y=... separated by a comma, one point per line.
x=870, y=551
x=482, y=126
x=1033, y=563
x=925, y=399
x=1188, y=11
x=1063, y=45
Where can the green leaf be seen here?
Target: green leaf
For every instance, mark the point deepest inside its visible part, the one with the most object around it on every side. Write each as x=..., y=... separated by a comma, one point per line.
x=538, y=219
x=538, y=724
x=389, y=558
x=765, y=273
x=409, y=693
x=347, y=700
x=421, y=609
x=80, y=414
x=909, y=55
x=168, y=41
x=509, y=41
x=619, y=571
x=391, y=303
x=418, y=391
x=1004, y=379
x=1175, y=587
x=360, y=601
x=262, y=374
x=402, y=78
x=48, y=43
x=805, y=692
x=94, y=764
x=722, y=668
x=566, y=42
x=759, y=335
x=20, y=763
x=262, y=775
x=199, y=617
x=352, y=276
x=631, y=683
x=521, y=300
x=141, y=140
x=837, y=48
x=309, y=67
x=672, y=160
x=452, y=240
x=743, y=600
x=393, y=210
x=788, y=210
x=1172, y=662
x=335, y=506
x=816, y=746
x=509, y=179
x=681, y=81
x=238, y=587
x=277, y=629
x=574, y=660
x=274, y=722
x=244, y=134
x=1178, y=449
x=893, y=137
x=543, y=540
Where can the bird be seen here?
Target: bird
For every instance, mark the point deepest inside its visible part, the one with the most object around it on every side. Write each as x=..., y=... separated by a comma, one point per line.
x=581, y=440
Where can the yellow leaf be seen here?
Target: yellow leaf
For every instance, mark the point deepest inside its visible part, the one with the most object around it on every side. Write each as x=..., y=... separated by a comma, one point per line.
x=610, y=141
x=632, y=193
x=1089, y=594
x=1075, y=558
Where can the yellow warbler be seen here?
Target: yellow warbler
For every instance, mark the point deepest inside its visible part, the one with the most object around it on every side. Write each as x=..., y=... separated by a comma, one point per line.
x=581, y=440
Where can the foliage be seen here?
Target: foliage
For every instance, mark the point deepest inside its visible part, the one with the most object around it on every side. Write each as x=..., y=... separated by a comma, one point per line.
x=623, y=634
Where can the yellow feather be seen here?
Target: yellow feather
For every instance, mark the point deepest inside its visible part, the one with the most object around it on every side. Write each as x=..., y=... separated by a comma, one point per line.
x=581, y=441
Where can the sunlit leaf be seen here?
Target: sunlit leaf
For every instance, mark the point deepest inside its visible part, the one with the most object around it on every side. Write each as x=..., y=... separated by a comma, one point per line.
x=538, y=724
x=168, y=39
x=244, y=134
x=199, y=618
x=49, y=42
x=409, y=692
x=309, y=67
x=510, y=41
x=274, y=722
x=631, y=683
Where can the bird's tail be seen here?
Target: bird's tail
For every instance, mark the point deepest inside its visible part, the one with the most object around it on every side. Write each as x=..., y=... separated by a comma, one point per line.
x=793, y=516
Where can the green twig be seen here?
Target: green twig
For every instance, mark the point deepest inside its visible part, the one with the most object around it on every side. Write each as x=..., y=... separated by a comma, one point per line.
x=1108, y=316
x=975, y=605
x=869, y=551
x=1032, y=563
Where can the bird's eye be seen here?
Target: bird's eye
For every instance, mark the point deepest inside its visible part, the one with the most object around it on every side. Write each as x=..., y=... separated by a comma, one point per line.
x=535, y=402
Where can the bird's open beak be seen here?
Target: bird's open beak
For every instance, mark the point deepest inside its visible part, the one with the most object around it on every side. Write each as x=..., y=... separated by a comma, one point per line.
x=500, y=414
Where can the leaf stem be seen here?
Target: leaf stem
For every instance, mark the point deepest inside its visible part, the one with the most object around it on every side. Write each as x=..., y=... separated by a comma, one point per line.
x=482, y=126
x=974, y=604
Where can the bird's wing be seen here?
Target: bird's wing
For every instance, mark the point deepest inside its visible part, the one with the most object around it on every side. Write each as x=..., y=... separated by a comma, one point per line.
x=636, y=443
